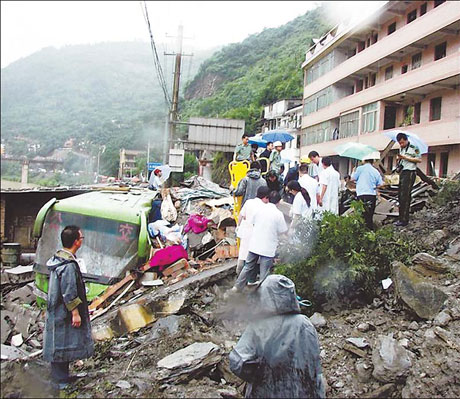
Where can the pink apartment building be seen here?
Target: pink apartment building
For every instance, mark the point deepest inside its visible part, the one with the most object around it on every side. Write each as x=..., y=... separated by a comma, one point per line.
x=397, y=69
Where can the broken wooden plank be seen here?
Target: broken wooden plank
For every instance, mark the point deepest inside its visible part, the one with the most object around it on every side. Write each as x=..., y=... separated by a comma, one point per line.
x=379, y=163
x=385, y=391
x=426, y=179
x=98, y=301
x=354, y=350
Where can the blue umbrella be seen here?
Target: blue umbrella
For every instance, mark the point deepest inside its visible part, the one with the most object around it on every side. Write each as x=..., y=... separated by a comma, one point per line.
x=278, y=135
x=259, y=141
x=413, y=139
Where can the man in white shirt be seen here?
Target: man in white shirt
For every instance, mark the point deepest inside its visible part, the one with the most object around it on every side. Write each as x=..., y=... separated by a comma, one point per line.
x=329, y=179
x=316, y=166
x=245, y=228
x=309, y=184
x=268, y=224
x=156, y=181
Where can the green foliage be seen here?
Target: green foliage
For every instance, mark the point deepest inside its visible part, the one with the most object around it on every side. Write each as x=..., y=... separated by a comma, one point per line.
x=101, y=94
x=11, y=170
x=220, y=174
x=190, y=165
x=341, y=258
x=141, y=165
x=264, y=68
x=450, y=191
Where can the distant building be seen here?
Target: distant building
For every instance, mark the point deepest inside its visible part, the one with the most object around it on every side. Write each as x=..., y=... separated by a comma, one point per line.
x=397, y=69
x=128, y=160
x=285, y=115
x=69, y=143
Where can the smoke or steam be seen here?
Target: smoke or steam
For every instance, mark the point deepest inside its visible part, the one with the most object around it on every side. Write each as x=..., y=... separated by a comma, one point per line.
x=350, y=11
x=300, y=243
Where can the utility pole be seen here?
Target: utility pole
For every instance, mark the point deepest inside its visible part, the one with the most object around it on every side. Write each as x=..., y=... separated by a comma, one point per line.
x=174, y=111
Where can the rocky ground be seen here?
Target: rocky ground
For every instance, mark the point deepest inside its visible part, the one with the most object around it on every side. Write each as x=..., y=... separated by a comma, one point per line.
x=405, y=343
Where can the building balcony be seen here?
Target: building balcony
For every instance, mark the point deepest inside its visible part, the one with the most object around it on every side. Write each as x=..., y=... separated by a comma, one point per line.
x=430, y=74
x=431, y=27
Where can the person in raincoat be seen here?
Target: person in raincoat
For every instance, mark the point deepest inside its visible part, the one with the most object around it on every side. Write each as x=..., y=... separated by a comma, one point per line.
x=67, y=334
x=248, y=185
x=278, y=353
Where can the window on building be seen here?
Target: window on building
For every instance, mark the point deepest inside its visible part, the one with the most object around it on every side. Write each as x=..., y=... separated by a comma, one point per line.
x=416, y=61
x=375, y=37
x=361, y=46
x=403, y=69
x=372, y=79
x=423, y=9
x=435, y=109
x=359, y=85
x=368, y=42
x=440, y=51
x=430, y=166
x=349, y=125
x=351, y=52
x=443, y=167
x=317, y=101
x=369, y=118
x=391, y=28
x=389, y=119
x=438, y=2
x=389, y=72
x=411, y=16
x=417, y=109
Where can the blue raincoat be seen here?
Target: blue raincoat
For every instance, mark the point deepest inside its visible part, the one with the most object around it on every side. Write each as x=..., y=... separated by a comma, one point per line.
x=278, y=353
x=66, y=291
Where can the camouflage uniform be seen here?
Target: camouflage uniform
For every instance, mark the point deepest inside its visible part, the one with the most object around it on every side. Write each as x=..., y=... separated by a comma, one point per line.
x=243, y=152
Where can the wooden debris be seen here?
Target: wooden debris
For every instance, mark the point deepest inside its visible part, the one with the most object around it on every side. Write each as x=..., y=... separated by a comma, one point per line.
x=97, y=302
x=384, y=391
x=354, y=350
x=176, y=268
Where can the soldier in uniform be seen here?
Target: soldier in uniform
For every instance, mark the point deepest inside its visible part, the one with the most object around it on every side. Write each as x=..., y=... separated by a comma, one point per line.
x=243, y=151
x=409, y=156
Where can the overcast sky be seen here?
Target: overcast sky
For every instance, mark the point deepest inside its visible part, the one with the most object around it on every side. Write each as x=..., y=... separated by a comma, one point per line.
x=28, y=26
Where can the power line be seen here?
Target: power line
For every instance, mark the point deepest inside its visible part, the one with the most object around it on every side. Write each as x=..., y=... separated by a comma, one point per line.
x=156, y=59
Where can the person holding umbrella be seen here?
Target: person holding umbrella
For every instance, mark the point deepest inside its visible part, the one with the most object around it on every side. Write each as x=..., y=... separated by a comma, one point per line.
x=409, y=156
x=368, y=179
x=275, y=157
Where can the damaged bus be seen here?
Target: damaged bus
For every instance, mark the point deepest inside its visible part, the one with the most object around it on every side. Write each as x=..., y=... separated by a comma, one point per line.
x=114, y=224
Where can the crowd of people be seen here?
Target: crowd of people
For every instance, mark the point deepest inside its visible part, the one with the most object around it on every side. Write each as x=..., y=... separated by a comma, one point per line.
x=278, y=353
x=312, y=188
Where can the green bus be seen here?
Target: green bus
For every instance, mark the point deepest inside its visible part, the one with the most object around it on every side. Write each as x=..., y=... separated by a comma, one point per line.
x=114, y=224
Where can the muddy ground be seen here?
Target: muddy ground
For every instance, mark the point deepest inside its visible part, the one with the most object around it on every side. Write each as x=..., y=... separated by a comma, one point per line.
x=126, y=366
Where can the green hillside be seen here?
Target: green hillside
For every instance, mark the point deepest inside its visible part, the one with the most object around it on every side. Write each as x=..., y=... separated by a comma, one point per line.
x=108, y=93
x=239, y=79
x=102, y=94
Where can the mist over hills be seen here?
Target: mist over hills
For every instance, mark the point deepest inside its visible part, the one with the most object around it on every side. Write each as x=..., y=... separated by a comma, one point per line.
x=108, y=93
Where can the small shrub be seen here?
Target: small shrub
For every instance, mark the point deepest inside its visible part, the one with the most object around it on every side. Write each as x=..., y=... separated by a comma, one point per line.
x=450, y=191
x=220, y=173
x=340, y=257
